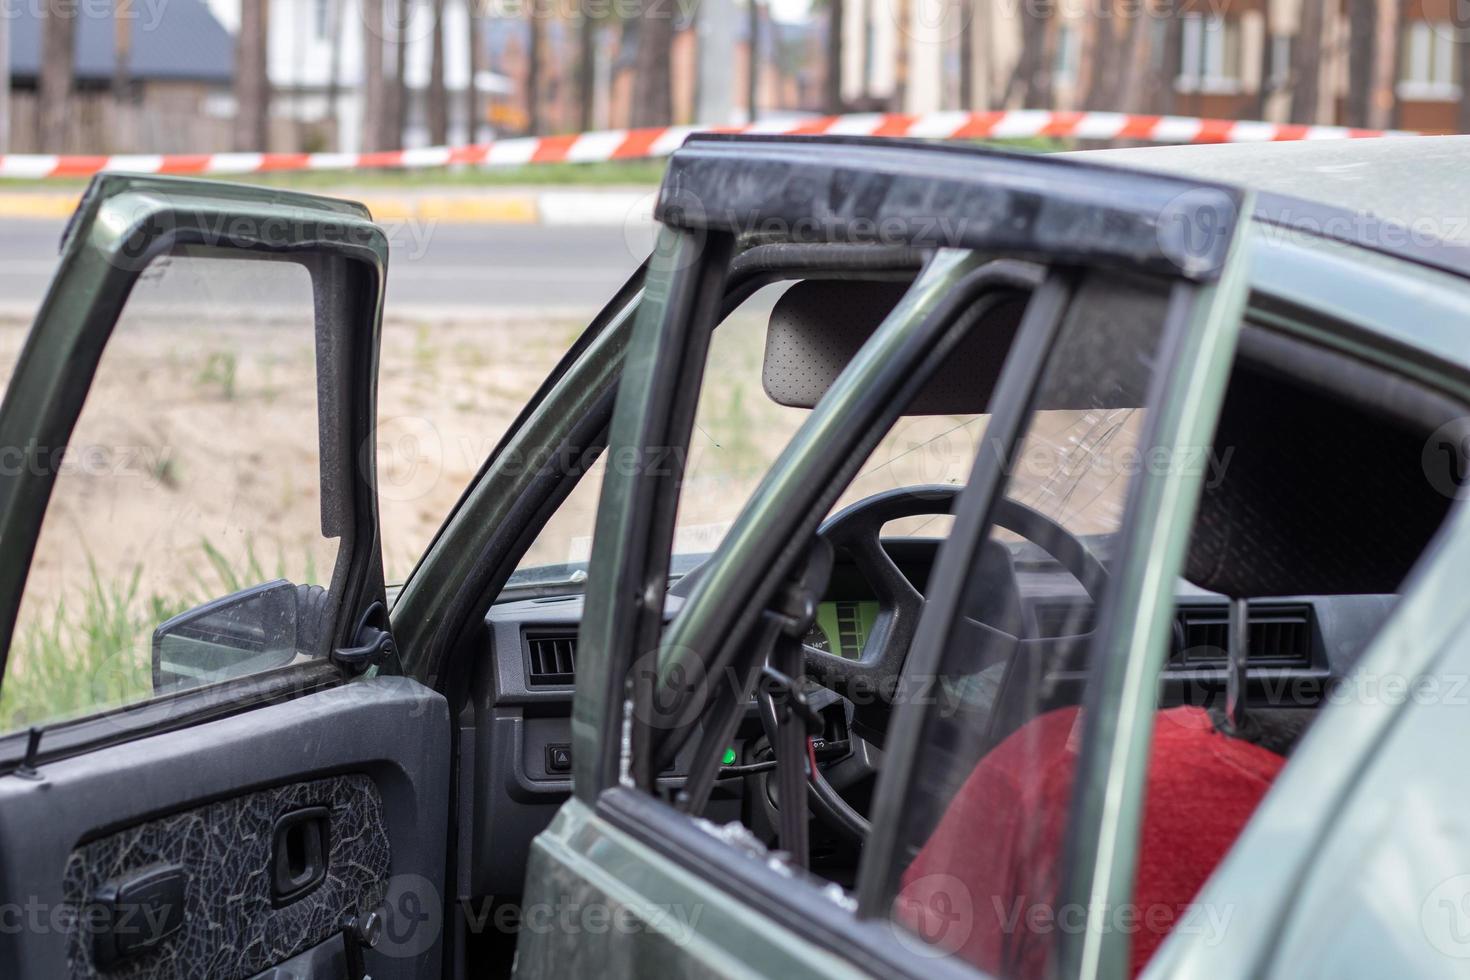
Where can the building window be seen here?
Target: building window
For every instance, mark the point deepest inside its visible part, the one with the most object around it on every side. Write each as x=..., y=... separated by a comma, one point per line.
x=1068, y=55
x=1210, y=59
x=321, y=11
x=1427, y=68
x=1280, y=62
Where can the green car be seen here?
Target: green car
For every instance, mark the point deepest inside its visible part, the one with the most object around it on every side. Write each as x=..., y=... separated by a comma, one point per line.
x=1003, y=564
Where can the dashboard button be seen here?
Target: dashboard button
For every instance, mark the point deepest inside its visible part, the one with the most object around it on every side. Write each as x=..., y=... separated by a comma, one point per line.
x=558, y=759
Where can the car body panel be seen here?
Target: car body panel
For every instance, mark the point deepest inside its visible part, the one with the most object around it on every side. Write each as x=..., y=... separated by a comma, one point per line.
x=1414, y=183
x=627, y=910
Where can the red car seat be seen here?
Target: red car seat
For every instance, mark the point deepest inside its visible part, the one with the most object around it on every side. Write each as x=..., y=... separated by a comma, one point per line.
x=985, y=882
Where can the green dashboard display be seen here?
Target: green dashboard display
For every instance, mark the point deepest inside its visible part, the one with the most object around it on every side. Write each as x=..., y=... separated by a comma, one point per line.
x=842, y=627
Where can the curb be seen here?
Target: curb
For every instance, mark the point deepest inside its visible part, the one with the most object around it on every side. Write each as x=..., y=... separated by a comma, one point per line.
x=562, y=208
x=31, y=205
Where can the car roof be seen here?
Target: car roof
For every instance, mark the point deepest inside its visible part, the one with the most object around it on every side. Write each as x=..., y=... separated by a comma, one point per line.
x=1418, y=182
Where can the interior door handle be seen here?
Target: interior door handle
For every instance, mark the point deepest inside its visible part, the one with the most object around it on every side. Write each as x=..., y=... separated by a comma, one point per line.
x=301, y=847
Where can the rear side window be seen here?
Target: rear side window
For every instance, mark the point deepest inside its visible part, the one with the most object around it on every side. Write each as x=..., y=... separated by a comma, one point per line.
x=192, y=479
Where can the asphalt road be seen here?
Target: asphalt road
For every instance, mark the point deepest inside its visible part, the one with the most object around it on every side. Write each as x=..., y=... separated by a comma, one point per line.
x=445, y=269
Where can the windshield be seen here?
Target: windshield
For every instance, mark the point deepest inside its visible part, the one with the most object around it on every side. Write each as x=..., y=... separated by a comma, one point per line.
x=739, y=431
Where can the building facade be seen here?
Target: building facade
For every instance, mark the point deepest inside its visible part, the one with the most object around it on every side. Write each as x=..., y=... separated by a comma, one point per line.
x=1235, y=58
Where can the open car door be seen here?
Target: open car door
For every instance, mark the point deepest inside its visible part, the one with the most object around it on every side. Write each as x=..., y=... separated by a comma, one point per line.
x=208, y=766
x=1134, y=288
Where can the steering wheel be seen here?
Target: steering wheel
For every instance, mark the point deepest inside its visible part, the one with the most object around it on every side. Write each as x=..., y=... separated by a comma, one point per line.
x=872, y=678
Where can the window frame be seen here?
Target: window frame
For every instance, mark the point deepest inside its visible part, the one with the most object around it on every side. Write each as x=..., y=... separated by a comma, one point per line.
x=1210, y=55
x=1427, y=65
x=122, y=223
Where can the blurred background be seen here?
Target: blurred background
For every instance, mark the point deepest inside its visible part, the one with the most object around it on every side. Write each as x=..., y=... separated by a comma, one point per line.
x=198, y=76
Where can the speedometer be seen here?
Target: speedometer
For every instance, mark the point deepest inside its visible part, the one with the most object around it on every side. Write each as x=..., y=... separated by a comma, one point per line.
x=817, y=639
x=842, y=627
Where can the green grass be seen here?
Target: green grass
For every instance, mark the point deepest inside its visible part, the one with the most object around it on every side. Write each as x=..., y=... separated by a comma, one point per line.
x=95, y=652
x=85, y=656
x=218, y=373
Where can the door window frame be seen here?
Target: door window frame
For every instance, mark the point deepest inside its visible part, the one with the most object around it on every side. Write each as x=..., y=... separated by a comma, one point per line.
x=630, y=552
x=122, y=224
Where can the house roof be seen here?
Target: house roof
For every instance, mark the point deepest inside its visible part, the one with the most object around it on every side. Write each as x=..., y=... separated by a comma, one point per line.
x=177, y=40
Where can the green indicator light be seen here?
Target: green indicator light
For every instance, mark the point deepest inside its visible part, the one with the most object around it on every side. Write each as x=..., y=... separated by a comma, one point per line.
x=728, y=759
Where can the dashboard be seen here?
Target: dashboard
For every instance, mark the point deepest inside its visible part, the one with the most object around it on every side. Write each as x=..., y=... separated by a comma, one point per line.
x=515, y=735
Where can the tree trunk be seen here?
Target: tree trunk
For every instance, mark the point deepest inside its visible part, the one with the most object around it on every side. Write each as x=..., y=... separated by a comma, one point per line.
x=58, y=51
x=898, y=101
x=402, y=20
x=1172, y=62
x=122, y=47
x=653, y=89
x=833, y=100
x=1267, y=67
x=1362, y=35
x=334, y=76
x=752, y=60
x=471, y=93
x=252, y=84
x=1462, y=70
x=375, y=107
x=438, y=96
x=533, y=73
x=586, y=65
x=1030, y=82
x=1104, y=81
x=1394, y=58
x=4, y=84
x=1135, y=84
x=1306, y=63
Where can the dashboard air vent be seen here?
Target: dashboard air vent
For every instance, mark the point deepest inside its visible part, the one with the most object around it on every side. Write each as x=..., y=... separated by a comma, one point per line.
x=551, y=658
x=1280, y=636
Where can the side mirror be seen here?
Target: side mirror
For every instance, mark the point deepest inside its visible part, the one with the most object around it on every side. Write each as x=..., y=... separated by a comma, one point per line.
x=259, y=628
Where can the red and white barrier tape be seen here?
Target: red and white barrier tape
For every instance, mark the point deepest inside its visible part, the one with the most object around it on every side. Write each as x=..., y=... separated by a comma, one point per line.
x=632, y=144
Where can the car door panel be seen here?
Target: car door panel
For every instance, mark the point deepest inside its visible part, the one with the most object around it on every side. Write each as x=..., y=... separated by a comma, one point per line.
x=231, y=826
x=205, y=800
